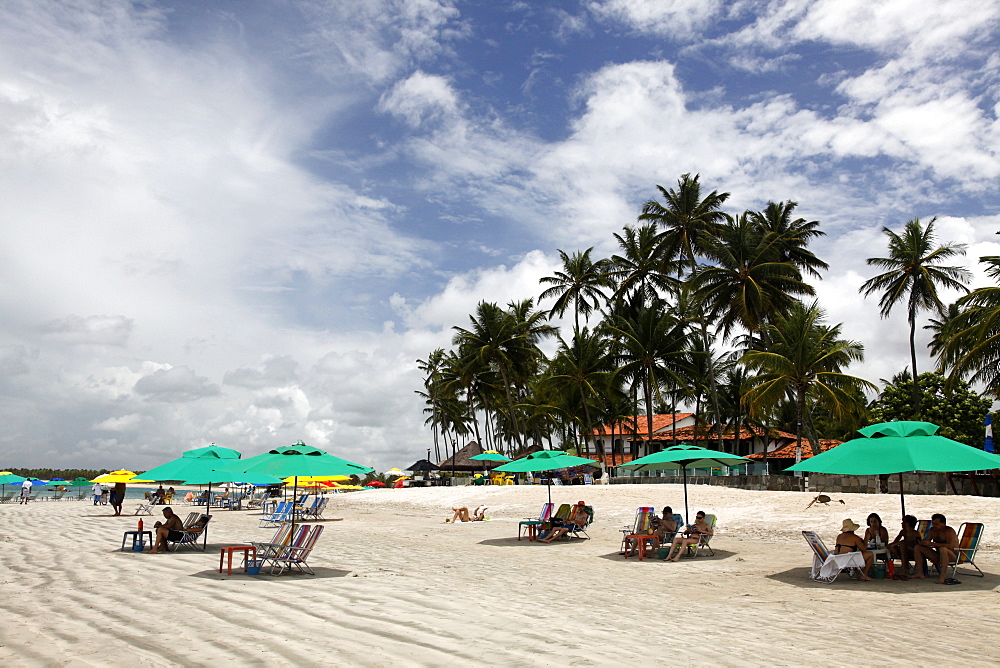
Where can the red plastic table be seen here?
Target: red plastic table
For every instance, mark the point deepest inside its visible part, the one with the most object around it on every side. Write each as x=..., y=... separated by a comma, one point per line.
x=640, y=543
x=249, y=554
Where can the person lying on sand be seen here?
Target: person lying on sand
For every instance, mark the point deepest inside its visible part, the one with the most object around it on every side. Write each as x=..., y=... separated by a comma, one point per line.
x=463, y=514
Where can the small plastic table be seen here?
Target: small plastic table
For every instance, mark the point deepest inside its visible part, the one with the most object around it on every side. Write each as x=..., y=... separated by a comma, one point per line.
x=137, y=537
x=640, y=543
x=249, y=554
x=532, y=526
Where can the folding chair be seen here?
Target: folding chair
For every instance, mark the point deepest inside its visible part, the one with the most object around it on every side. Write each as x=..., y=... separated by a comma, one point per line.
x=543, y=516
x=267, y=553
x=642, y=522
x=968, y=542
x=282, y=513
x=190, y=536
x=827, y=566
x=298, y=556
x=704, y=540
x=575, y=529
x=146, y=507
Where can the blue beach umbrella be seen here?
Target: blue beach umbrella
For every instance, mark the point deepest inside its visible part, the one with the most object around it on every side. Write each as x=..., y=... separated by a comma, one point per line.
x=988, y=445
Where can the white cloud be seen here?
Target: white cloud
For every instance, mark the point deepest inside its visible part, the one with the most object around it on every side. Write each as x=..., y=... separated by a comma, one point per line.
x=175, y=385
x=676, y=19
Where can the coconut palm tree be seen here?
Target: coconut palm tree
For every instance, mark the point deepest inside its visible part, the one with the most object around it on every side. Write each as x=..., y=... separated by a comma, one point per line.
x=748, y=280
x=790, y=237
x=806, y=359
x=580, y=283
x=913, y=275
x=688, y=221
x=970, y=339
x=642, y=270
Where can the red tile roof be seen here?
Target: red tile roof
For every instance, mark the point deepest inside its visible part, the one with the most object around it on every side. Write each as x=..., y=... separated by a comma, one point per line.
x=703, y=433
x=788, y=451
x=626, y=427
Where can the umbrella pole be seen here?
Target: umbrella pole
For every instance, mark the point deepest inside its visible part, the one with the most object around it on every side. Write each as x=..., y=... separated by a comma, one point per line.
x=685, y=494
x=549, y=479
x=902, y=500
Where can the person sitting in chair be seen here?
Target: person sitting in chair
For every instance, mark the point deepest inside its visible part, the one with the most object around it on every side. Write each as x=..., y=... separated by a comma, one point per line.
x=691, y=536
x=462, y=514
x=848, y=541
x=902, y=547
x=577, y=520
x=666, y=525
x=939, y=547
x=170, y=529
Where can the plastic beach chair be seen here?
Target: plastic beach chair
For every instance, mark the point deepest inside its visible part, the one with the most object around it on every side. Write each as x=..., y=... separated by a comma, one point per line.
x=826, y=565
x=968, y=542
x=704, y=540
x=543, y=516
x=641, y=524
x=297, y=556
x=282, y=513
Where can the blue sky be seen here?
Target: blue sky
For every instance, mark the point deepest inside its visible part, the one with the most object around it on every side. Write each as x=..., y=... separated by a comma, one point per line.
x=242, y=223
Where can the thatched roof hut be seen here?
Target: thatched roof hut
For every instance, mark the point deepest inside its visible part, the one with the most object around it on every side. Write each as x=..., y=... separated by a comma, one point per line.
x=462, y=460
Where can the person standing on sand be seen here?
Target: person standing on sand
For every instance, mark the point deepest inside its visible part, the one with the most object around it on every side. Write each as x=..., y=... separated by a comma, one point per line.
x=97, y=490
x=118, y=497
x=939, y=548
x=25, y=491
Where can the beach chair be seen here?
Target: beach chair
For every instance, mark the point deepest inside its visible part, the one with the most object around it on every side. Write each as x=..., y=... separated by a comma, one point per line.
x=561, y=515
x=543, y=516
x=305, y=509
x=298, y=555
x=7, y=498
x=969, y=534
x=192, y=535
x=575, y=529
x=641, y=524
x=282, y=513
x=703, y=540
x=923, y=528
x=280, y=540
x=826, y=565
x=146, y=507
x=257, y=498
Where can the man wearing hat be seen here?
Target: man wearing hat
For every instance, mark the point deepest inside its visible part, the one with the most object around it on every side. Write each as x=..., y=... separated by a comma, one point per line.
x=848, y=542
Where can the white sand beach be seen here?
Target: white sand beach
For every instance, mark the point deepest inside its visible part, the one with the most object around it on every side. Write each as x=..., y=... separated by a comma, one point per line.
x=396, y=585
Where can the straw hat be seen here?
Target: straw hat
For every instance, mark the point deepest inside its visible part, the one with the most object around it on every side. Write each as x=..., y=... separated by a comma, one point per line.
x=849, y=525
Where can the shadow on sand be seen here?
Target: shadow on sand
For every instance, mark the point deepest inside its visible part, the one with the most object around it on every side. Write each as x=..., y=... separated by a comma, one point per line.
x=799, y=577
x=287, y=576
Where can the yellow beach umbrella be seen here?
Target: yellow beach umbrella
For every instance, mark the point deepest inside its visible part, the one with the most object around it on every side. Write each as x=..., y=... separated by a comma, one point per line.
x=118, y=476
x=307, y=480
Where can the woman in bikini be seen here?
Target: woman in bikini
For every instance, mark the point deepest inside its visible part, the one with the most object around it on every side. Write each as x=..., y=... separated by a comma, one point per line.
x=848, y=541
x=691, y=536
x=876, y=532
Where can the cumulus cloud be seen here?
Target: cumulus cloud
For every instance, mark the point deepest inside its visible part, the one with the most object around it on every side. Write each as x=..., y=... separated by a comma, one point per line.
x=176, y=384
x=94, y=329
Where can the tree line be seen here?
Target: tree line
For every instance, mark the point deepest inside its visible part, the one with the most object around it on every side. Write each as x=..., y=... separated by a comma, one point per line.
x=708, y=310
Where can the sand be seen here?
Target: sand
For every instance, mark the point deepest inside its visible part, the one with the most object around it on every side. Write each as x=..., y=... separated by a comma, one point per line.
x=396, y=585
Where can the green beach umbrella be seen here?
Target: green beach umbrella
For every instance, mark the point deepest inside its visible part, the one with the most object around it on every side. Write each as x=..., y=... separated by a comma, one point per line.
x=78, y=482
x=545, y=460
x=684, y=457
x=192, y=464
x=10, y=479
x=300, y=460
x=899, y=447
x=491, y=457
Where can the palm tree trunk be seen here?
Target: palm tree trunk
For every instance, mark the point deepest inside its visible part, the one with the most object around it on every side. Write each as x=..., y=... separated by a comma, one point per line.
x=913, y=366
x=713, y=389
x=800, y=401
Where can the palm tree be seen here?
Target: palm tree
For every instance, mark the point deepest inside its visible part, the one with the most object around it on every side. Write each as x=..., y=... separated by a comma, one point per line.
x=789, y=237
x=642, y=270
x=912, y=274
x=748, y=280
x=806, y=359
x=689, y=221
x=582, y=371
x=971, y=337
x=579, y=283
x=434, y=394
x=649, y=349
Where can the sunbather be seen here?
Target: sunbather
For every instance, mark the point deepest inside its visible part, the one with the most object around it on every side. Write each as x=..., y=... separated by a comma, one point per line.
x=939, y=548
x=691, y=536
x=848, y=541
x=577, y=520
x=169, y=529
x=463, y=514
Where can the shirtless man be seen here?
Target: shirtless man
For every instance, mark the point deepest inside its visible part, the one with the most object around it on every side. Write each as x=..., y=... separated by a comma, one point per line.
x=579, y=518
x=167, y=530
x=665, y=526
x=902, y=547
x=939, y=548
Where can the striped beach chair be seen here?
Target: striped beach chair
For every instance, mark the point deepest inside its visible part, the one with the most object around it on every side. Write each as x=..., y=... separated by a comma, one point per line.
x=543, y=516
x=968, y=542
x=641, y=524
